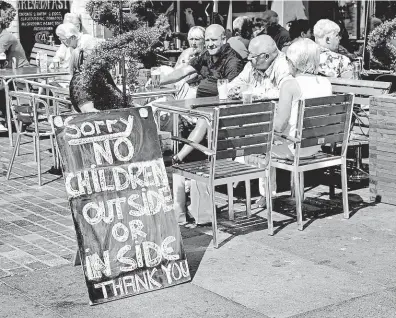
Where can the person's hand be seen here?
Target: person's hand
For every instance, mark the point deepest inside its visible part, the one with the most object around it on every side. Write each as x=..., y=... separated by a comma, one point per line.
x=235, y=92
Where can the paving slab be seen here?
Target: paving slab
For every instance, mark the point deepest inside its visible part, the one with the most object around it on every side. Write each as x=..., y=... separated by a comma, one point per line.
x=363, y=245
x=378, y=305
x=273, y=282
x=63, y=290
x=15, y=304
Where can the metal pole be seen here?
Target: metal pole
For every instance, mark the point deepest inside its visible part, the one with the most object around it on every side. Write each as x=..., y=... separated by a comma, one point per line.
x=123, y=72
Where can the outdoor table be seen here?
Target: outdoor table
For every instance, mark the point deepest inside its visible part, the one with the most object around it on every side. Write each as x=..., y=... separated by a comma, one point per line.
x=7, y=75
x=196, y=107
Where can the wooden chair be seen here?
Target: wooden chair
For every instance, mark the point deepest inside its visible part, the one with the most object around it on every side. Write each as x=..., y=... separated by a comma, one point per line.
x=45, y=48
x=320, y=121
x=236, y=130
x=360, y=119
x=31, y=114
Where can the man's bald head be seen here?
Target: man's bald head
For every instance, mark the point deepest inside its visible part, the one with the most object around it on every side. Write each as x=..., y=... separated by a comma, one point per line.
x=270, y=17
x=214, y=38
x=262, y=51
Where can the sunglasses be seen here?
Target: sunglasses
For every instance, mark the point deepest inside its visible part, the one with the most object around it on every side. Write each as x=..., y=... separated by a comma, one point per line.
x=265, y=55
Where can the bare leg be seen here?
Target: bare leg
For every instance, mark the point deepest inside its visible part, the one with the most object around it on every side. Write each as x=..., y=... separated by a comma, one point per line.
x=196, y=135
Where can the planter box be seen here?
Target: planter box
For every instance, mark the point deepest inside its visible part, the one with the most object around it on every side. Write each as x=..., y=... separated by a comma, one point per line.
x=383, y=149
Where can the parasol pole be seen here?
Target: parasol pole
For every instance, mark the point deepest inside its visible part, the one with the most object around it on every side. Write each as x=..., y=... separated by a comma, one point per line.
x=367, y=9
x=123, y=72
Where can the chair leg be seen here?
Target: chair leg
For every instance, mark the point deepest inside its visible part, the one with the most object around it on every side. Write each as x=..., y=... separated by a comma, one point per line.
x=248, y=199
x=38, y=159
x=292, y=189
x=297, y=189
x=53, y=151
x=35, y=148
x=268, y=197
x=16, y=150
x=302, y=191
x=230, y=192
x=344, y=182
x=214, y=217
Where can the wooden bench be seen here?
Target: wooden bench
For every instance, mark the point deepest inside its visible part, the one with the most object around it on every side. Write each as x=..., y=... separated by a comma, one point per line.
x=46, y=49
x=362, y=90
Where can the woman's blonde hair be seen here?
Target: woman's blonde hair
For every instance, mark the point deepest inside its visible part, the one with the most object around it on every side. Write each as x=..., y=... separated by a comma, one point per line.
x=67, y=30
x=304, y=54
x=196, y=29
x=74, y=19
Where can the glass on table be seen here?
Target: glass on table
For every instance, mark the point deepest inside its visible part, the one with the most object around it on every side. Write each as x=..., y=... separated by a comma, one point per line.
x=222, y=87
x=155, y=77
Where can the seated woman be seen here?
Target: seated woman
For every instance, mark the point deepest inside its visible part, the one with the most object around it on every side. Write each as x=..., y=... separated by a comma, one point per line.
x=63, y=54
x=303, y=56
x=102, y=94
x=299, y=29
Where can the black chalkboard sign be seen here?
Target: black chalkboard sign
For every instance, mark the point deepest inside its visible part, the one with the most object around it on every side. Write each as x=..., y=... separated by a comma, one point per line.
x=127, y=233
x=38, y=20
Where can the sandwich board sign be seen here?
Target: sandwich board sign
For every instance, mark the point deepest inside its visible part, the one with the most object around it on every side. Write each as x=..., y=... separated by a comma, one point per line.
x=128, y=237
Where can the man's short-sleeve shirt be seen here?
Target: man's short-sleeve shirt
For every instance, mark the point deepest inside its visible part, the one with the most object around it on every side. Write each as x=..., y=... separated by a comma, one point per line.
x=228, y=65
x=333, y=64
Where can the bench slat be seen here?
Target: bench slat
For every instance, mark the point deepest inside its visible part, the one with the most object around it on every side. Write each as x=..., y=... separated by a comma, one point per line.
x=243, y=131
x=323, y=131
x=324, y=110
x=245, y=109
x=240, y=142
x=323, y=120
x=309, y=142
x=238, y=152
x=248, y=119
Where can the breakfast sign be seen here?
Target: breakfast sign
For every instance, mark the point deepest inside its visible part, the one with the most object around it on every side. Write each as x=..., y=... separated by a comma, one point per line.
x=38, y=20
x=128, y=237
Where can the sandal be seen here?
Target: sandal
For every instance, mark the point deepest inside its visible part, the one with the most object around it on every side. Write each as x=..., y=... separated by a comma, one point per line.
x=176, y=160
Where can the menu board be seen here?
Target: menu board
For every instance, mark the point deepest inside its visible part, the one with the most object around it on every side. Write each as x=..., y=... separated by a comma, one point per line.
x=38, y=20
x=128, y=237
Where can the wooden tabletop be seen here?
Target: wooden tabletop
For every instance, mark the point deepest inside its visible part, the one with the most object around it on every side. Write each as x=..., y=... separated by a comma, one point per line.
x=30, y=71
x=154, y=92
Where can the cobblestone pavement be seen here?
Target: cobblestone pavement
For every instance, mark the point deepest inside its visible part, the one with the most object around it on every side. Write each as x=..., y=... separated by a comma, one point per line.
x=36, y=228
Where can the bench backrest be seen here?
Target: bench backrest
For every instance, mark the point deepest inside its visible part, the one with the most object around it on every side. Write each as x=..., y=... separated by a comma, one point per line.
x=244, y=129
x=47, y=49
x=324, y=120
x=362, y=89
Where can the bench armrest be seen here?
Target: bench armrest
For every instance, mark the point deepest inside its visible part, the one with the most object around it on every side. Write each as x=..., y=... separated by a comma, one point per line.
x=292, y=139
x=199, y=147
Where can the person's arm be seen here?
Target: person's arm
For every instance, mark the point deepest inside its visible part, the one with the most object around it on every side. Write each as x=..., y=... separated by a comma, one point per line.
x=233, y=68
x=288, y=90
x=346, y=67
x=88, y=107
x=178, y=75
x=240, y=83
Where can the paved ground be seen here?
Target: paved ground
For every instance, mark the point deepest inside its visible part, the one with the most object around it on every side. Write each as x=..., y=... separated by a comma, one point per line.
x=334, y=268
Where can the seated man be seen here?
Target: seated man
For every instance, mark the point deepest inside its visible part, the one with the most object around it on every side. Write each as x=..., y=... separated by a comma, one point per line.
x=218, y=61
x=274, y=29
x=243, y=32
x=263, y=74
x=332, y=64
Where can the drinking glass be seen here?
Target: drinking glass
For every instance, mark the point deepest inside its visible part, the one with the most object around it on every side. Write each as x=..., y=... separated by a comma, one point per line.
x=222, y=87
x=247, y=97
x=155, y=77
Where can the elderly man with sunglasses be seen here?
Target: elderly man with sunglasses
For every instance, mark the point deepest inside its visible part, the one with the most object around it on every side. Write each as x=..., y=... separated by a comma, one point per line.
x=265, y=71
